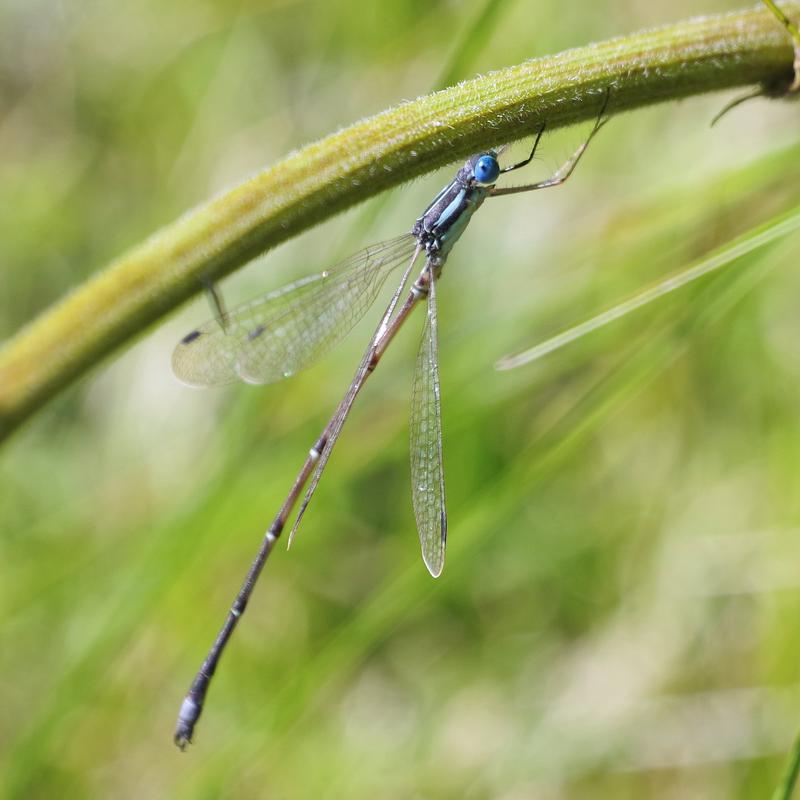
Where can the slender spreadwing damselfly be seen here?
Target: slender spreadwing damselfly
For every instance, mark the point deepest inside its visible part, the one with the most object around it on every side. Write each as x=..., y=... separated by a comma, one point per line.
x=284, y=331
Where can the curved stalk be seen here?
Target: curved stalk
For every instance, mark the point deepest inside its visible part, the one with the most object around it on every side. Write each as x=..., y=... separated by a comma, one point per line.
x=700, y=55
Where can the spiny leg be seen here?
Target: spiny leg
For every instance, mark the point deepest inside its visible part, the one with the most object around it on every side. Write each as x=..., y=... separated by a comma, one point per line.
x=526, y=161
x=737, y=101
x=217, y=303
x=566, y=169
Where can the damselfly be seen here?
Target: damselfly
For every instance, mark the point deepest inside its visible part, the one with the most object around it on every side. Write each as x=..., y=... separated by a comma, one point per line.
x=284, y=331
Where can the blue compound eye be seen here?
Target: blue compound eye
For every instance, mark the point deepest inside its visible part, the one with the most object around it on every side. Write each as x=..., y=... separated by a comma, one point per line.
x=486, y=169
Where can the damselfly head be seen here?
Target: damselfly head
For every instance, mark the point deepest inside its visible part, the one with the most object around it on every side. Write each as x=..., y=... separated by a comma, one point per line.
x=485, y=169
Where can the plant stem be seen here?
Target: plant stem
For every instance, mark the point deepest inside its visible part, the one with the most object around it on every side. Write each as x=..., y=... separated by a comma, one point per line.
x=789, y=780
x=699, y=55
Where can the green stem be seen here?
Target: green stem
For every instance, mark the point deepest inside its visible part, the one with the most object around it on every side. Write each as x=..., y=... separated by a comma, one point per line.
x=700, y=55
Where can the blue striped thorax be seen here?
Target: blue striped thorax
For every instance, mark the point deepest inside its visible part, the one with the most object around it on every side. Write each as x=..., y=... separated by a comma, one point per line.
x=445, y=219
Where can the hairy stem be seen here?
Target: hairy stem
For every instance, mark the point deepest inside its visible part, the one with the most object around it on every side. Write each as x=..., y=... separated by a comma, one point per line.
x=700, y=55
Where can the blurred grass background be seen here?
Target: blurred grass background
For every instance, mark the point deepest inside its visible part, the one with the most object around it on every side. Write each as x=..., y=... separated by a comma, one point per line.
x=617, y=616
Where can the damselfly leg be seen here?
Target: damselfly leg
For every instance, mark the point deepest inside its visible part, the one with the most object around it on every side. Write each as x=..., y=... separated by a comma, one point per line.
x=217, y=303
x=563, y=173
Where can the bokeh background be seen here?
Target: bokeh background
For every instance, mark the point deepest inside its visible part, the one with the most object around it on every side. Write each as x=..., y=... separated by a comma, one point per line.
x=618, y=613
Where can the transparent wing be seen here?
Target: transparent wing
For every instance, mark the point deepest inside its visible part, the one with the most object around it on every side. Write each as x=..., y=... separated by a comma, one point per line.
x=427, y=474
x=366, y=366
x=284, y=331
